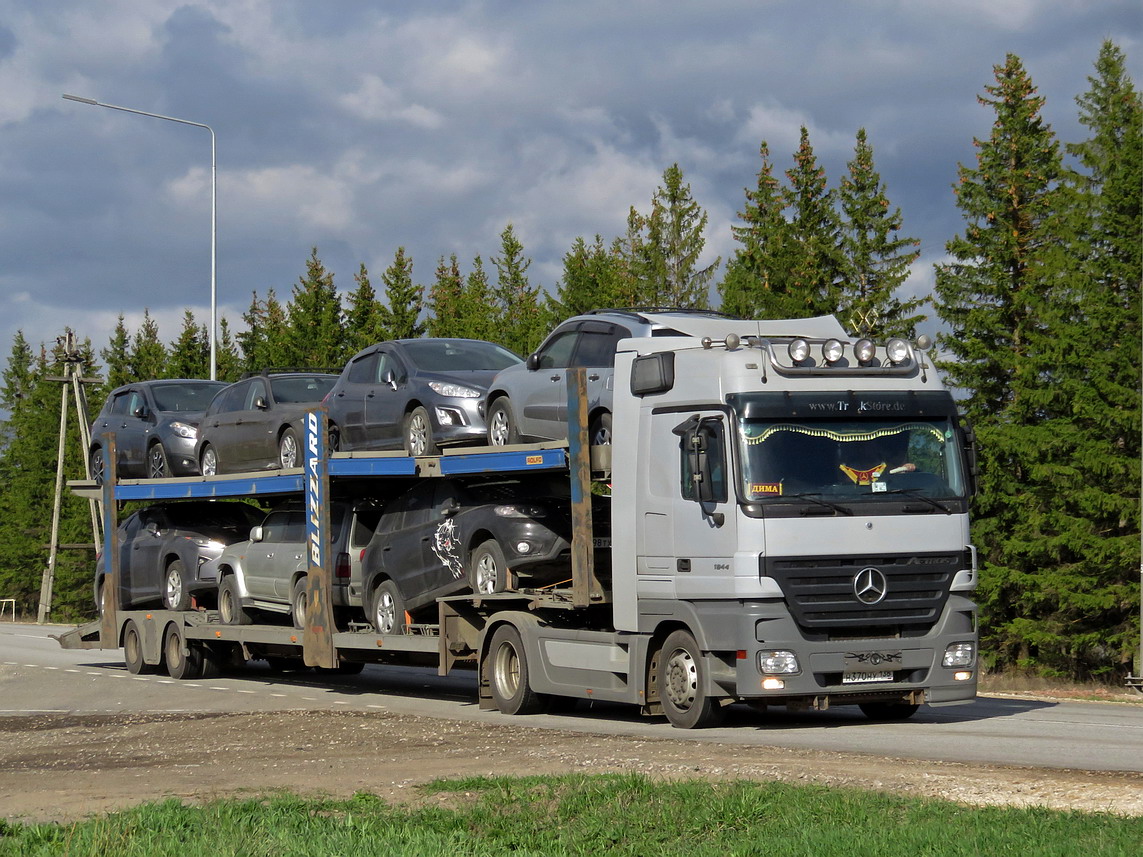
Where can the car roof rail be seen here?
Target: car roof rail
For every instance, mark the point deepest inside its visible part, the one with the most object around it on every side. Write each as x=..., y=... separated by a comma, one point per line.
x=291, y=370
x=639, y=311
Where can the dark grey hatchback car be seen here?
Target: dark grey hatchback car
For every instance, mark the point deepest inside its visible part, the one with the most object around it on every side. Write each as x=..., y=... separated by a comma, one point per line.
x=155, y=424
x=415, y=394
x=256, y=423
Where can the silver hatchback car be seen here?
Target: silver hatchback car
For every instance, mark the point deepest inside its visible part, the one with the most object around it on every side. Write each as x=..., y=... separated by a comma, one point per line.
x=528, y=402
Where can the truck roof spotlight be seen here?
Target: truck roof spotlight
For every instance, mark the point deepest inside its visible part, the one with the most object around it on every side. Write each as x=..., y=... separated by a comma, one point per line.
x=832, y=351
x=897, y=350
x=864, y=350
x=799, y=350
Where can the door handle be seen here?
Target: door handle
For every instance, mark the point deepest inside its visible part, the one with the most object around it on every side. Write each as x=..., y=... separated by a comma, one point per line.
x=553, y=377
x=593, y=377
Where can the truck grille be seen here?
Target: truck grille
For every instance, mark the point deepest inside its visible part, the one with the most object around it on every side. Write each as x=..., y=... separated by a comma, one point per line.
x=900, y=591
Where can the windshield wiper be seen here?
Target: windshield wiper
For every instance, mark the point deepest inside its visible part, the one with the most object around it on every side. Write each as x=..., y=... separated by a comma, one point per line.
x=815, y=498
x=916, y=492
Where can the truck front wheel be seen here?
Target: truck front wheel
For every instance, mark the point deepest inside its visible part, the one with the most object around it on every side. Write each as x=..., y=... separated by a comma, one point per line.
x=681, y=680
x=507, y=666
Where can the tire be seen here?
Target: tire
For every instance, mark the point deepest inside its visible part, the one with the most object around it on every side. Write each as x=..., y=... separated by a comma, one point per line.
x=888, y=711
x=175, y=595
x=289, y=451
x=388, y=609
x=487, y=570
x=600, y=432
x=681, y=677
x=133, y=651
x=418, y=433
x=99, y=597
x=229, y=606
x=334, y=438
x=98, y=465
x=208, y=461
x=507, y=674
x=502, y=429
x=157, y=465
x=298, y=602
x=181, y=666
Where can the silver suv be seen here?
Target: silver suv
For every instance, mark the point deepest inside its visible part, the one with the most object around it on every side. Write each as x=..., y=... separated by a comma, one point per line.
x=528, y=401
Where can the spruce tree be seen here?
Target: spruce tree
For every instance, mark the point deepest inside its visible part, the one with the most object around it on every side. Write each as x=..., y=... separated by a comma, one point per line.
x=877, y=256
x=446, y=300
x=364, y=323
x=756, y=282
x=632, y=266
x=815, y=256
x=996, y=297
x=148, y=356
x=401, y=313
x=520, y=325
x=229, y=366
x=592, y=279
x=189, y=356
x=315, y=331
x=480, y=320
x=117, y=356
x=674, y=243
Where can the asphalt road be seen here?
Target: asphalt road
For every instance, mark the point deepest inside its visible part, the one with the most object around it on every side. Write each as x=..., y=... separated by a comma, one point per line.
x=37, y=676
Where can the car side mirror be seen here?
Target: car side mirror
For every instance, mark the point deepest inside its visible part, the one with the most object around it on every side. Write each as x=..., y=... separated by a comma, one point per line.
x=533, y=362
x=140, y=412
x=390, y=379
x=256, y=533
x=450, y=507
x=153, y=528
x=260, y=403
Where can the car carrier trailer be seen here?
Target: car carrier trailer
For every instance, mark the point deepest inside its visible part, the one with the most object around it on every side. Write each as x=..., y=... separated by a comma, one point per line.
x=737, y=574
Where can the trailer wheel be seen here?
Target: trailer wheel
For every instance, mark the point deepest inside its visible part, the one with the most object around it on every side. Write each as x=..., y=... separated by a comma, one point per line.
x=888, y=711
x=175, y=595
x=298, y=603
x=388, y=609
x=487, y=570
x=507, y=666
x=133, y=651
x=681, y=680
x=179, y=665
x=229, y=605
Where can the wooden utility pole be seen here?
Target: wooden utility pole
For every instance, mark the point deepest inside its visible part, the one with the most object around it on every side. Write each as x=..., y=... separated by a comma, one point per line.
x=73, y=382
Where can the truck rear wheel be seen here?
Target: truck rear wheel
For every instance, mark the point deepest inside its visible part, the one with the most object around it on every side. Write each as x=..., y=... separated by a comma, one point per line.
x=181, y=666
x=133, y=651
x=507, y=666
x=681, y=681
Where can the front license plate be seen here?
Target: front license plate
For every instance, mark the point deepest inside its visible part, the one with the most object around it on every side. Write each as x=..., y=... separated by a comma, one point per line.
x=863, y=678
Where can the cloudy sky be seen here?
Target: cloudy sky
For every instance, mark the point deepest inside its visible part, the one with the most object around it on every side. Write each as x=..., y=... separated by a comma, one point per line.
x=357, y=127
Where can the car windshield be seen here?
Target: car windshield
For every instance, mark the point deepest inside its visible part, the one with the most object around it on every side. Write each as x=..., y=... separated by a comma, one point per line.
x=221, y=516
x=875, y=458
x=194, y=396
x=453, y=355
x=303, y=389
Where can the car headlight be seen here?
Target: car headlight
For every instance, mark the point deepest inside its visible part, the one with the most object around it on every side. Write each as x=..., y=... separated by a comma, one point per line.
x=204, y=542
x=185, y=430
x=453, y=391
x=521, y=511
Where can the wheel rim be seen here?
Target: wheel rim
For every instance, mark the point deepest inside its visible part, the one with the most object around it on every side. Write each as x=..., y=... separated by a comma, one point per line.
x=601, y=436
x=288, y=454
x=418, y=434
x=174, y=587
x=386, y=612
x=209, y=462
x=506, y=670
x=681, y=679
x=498, y=432
x=226, y=605
x=158, y=463
x=131, y=647
x=300, y=608
x=486, y=574
x=174, y=653
x=97, y=467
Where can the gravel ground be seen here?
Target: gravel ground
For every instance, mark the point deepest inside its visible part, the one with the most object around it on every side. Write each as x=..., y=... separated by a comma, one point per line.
x=61, y=767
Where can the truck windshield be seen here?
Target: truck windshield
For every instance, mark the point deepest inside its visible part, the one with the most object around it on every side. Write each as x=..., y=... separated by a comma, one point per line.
x=874, y=458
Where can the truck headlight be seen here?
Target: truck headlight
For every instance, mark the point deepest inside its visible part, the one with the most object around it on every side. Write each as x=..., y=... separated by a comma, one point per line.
x=959, y=655
x=778, y=663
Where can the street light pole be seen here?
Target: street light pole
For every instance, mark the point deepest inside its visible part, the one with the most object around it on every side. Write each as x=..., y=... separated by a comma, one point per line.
x=213, y=215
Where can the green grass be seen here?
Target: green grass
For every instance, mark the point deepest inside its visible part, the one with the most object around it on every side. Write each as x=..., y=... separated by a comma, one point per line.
x=589, y=815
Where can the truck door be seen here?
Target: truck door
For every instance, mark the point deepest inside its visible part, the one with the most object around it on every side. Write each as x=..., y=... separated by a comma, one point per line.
x=704, y=523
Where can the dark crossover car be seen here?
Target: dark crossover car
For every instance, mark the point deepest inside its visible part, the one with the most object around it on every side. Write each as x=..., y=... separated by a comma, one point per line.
x=164, y=547
x=415, y=394
x=257, y=423
x=155, y=424
x=444, y=537
x=267, y=572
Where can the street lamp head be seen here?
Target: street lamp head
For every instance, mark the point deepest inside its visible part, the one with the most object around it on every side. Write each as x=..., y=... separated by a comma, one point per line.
x=81, y=100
